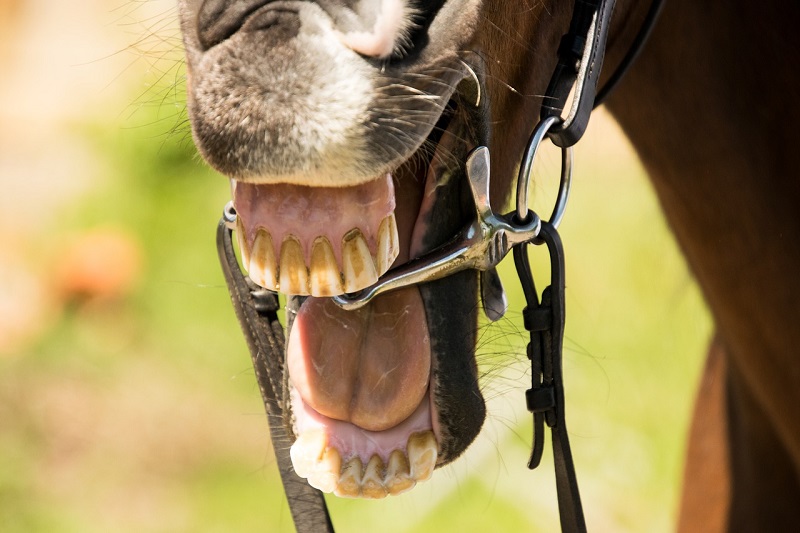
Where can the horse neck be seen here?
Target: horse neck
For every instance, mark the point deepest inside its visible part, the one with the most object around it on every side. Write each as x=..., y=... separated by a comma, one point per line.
x=721, y=158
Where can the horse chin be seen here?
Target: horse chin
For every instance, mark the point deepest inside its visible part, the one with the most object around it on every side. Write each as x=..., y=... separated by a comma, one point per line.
x=381, y=396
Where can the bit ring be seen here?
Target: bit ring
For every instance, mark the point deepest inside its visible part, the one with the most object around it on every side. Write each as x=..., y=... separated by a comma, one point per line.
x=540, y=132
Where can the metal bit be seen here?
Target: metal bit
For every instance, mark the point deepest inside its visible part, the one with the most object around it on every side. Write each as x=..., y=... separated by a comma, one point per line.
x=481, y=245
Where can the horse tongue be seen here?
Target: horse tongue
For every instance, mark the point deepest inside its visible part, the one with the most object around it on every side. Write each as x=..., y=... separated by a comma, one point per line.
x=369, y=367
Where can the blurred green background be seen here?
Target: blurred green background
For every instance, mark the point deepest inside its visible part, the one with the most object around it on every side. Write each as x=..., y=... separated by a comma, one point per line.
x=127, y=400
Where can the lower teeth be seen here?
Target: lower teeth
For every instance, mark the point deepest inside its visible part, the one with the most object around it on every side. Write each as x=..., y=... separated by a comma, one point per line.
x=322, y=466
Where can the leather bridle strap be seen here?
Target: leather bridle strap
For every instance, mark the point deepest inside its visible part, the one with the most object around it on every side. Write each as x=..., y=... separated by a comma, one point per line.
x=545, y=322
x=580, y=59
x=256, y=309
x=633, y=52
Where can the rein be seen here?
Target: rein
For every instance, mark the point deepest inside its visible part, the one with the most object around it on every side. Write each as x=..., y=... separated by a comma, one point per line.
x=481, y=245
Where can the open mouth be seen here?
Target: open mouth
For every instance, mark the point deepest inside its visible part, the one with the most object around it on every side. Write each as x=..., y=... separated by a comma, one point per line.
x=363, y=384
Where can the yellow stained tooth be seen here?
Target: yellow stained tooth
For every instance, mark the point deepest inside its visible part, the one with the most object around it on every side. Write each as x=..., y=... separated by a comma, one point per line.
x=388, y=246
x=244, y=248
x=398, y=474
x=324, y=276
x=307, y=451
x=325, y=476
x=422, y=454
x=350, y=480
x=359, y=269
x=372, y=485
x=293, y=271
x=263, y=267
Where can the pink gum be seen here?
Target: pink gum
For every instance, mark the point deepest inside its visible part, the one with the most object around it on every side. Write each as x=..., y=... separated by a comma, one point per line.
x=310, y=212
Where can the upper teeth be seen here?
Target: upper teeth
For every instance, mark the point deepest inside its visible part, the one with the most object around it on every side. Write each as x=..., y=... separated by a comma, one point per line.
x=323, y=276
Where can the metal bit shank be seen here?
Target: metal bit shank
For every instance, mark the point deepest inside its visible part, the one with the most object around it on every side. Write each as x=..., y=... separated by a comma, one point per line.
x=481, y=245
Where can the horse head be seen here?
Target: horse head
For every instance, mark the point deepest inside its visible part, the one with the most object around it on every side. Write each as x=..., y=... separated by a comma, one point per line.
x=344, y=127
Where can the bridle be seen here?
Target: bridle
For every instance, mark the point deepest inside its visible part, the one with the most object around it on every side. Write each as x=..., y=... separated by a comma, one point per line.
x=479, y=246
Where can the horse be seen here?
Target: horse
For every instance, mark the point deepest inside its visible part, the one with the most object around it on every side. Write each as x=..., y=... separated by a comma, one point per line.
x=344, y=127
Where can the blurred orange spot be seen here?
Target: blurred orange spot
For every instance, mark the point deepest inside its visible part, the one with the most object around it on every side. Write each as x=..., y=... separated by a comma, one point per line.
x=100, y=264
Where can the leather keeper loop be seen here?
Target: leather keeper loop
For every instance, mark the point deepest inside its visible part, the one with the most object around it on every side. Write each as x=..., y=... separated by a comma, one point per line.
x=537, y=319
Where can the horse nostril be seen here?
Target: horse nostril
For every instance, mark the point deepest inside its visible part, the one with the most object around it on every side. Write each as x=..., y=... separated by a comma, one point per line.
x=386, y=29
x=378, y=34
x=218, y=20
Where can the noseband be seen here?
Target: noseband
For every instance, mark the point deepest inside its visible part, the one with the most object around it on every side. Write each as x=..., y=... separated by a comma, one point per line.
x=480, y=245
